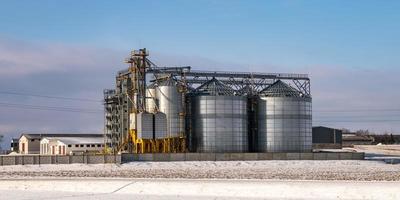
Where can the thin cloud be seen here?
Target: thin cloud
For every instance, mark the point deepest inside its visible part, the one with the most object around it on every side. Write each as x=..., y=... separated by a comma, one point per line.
x=21, y=58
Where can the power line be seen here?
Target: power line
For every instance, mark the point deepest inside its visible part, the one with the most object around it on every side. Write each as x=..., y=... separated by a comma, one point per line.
x=357, y=121
x=50, y=108
x=92, y=100
x=49, y=97
x=354, y=116
x=357, y=110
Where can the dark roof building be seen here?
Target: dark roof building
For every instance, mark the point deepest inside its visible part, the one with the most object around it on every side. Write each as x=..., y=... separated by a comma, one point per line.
x=14, y=145
x=326, y=138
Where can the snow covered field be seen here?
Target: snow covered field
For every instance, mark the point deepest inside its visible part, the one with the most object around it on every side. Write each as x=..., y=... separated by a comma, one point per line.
x=101, y=188
x=357, y=170
x=388, y=150
x=351, y=179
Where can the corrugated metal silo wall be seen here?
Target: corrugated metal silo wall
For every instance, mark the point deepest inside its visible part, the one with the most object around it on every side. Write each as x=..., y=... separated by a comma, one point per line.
x=285, y=124
x=170, y=103
x=151, y=100
x=219, y=123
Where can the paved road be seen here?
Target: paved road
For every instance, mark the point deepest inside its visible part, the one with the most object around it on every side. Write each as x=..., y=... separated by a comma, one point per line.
x=194, y=189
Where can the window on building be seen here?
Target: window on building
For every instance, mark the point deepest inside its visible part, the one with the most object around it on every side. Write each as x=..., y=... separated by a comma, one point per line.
x=88, y=145
x=69, y=145
x=81, y=145
x=99, y=145
x=93, y=145
x=77, y=145
x=32, y=140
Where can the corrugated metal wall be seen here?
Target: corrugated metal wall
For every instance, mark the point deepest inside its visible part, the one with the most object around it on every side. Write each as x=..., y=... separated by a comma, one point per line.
x=220, y=123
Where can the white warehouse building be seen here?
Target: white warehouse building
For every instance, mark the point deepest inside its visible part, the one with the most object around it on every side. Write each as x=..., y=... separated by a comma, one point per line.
x=71, y=145
x=31, y=143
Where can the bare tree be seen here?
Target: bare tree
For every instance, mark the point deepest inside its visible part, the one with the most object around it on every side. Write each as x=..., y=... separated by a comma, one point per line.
x=363, y=132
x=345, y=130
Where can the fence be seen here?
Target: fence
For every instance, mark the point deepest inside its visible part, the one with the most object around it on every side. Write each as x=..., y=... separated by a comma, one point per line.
x=241, y=156
x=55, y=159
x=125, y=157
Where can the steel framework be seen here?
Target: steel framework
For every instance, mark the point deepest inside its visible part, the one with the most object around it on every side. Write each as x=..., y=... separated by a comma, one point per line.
x=237, y=80
x=129, y=96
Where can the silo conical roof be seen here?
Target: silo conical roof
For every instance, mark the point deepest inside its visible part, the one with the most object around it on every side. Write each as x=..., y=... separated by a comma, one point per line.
x=167, y=82
x=280, y=89
x=215, y=87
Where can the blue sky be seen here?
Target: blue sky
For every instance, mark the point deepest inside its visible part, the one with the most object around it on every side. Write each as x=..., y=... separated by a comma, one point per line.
x=73, y=48
x=308, y=32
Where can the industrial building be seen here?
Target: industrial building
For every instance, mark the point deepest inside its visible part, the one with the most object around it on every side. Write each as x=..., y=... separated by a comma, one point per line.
x=326, y=138
x=351, y=139
x=71, y=145
x=176, y=109
x=14, y=145
x=31, y=143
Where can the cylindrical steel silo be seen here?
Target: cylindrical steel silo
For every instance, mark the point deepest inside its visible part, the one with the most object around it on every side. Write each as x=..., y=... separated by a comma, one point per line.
x=284, y=120
x=151, y=98
x=170, y=103
x=219, y=118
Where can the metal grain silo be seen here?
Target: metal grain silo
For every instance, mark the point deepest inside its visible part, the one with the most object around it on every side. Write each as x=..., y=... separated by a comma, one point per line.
x=151, y=100
x=284, y=120
x=170, y=103
x=219, y=118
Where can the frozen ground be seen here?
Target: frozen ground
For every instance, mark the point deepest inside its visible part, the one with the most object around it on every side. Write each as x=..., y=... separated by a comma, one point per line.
x=101, y=188
x=355, y=170
x=388, y=150
x=353, y=179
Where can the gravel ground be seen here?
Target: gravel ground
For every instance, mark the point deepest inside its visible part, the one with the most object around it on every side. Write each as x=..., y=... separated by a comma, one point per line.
x=279, y=170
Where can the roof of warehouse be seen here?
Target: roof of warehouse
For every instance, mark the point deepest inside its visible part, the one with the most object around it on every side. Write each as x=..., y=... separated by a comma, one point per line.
x=78, y=140
x=280, y=89
x=314, y=127
x=42, y=135
x=215, y=87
